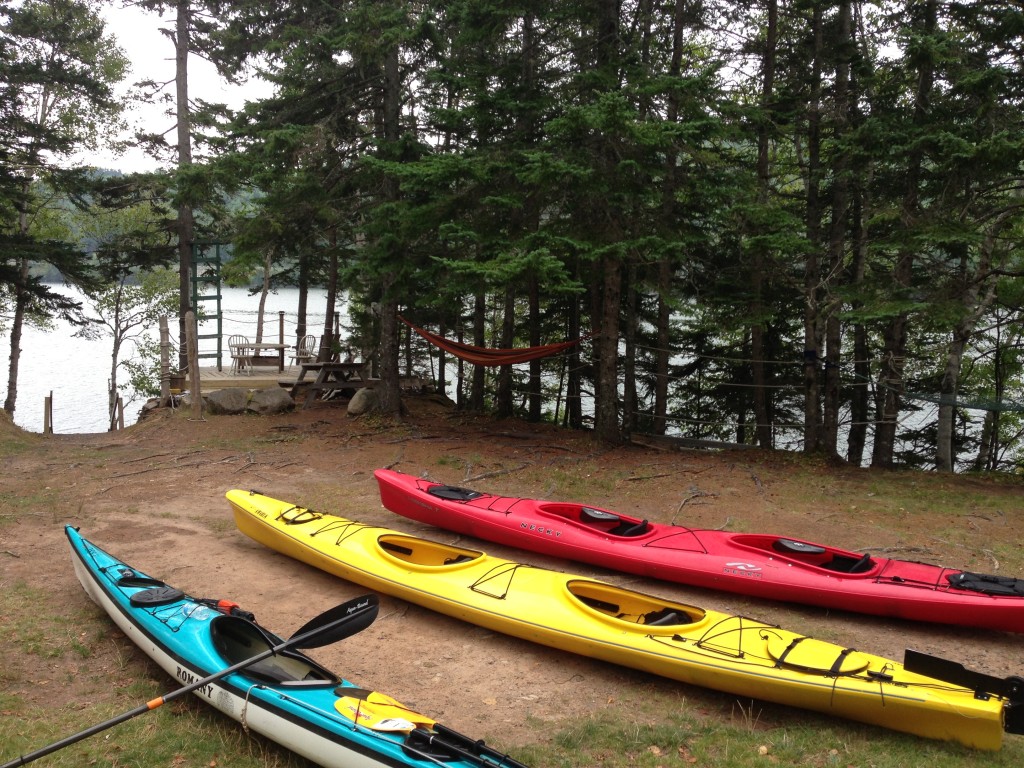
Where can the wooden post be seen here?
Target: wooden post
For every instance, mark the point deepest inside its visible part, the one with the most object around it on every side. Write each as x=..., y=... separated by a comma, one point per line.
x=48, y=414
x=193, y=365
x=280, y=327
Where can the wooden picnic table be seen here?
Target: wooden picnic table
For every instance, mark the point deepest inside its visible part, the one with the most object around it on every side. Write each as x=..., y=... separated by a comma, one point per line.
x=252, y=354
x=330, y=377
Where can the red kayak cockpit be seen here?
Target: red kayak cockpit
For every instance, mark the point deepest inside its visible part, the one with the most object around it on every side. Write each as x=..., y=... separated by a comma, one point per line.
x=806, y=553
x=596, y=520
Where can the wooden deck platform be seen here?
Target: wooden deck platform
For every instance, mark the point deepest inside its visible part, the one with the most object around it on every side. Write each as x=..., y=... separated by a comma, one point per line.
x=269, y=377
x=263, y=377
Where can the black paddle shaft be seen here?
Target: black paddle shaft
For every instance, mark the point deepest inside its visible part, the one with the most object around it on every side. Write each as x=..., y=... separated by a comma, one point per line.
x=336, y=624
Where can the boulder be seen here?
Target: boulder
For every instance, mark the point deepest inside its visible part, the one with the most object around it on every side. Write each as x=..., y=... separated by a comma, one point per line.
x=363, y=401
x=267, y=401
x=229, y=401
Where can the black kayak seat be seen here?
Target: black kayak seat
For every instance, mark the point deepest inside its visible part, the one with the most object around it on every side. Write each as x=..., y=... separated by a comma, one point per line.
x=453, y=493
x=628, y=528
x=665, y=617
x=237, y=639
x=792, y=547
x=591, y=515
x=851, y=565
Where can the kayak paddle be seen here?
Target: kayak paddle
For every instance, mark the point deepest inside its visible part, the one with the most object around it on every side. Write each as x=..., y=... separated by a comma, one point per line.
x=329, y=627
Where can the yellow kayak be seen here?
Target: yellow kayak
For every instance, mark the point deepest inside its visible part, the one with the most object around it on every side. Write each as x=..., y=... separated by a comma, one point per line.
x=701, y=647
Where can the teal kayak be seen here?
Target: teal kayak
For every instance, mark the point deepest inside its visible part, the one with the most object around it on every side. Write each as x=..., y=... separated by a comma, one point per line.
x=287, y=697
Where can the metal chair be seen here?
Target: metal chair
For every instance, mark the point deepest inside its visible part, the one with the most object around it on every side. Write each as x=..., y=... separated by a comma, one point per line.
x=305, y=350
x=237, y=346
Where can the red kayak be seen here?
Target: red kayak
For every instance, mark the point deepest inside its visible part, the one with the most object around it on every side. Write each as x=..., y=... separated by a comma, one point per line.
x=760, y=565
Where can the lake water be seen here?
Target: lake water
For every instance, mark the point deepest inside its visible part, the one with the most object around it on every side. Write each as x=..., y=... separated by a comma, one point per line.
x=76, y=370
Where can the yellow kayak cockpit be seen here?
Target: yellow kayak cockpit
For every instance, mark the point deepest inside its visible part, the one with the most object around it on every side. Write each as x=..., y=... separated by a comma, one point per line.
x=423, y=553
x=633, y=608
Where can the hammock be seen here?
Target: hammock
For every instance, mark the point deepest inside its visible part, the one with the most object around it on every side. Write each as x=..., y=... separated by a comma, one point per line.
x=490, y=356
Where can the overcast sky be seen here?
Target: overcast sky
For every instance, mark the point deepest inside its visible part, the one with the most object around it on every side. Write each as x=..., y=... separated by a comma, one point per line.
x=152, y=56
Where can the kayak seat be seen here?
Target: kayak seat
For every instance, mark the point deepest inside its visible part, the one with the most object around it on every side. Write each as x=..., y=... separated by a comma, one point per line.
x=843, y=564
x=627, y=528
x=791, y=547
x=453, y=493
x=237, y=639
x=591, y=515
x=665, y=617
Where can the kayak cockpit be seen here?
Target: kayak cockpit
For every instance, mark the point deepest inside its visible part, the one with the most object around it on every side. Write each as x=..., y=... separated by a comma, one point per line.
x=237, y=639
x=637, y=610
x=597, y=520
x=425, y=553
x=806, y=553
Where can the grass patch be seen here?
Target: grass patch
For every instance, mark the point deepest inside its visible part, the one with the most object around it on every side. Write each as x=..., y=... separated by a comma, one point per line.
x=182, y=733
x=44, y=501
x=611, y=740
x=44, y=633
x=583, y=482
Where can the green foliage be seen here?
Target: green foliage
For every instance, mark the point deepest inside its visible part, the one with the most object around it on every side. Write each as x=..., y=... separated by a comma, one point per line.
x=57, y=70
x=128, y=311
x=503, y=169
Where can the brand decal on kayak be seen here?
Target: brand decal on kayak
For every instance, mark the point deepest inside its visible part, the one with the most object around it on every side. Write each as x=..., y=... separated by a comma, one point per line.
x=749, y=570
x=188, y=678
x=540, y=529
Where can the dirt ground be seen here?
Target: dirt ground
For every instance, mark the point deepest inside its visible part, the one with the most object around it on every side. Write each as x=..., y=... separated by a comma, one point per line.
x=154, y=496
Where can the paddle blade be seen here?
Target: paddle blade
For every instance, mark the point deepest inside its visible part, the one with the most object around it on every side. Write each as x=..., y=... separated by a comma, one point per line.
x=956, y=673
x=338, y=623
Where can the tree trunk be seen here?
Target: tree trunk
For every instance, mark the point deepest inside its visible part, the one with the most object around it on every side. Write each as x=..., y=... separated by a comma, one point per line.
x=665, y=265
x=975, y=305
x=606, y=402
x=503, y=401
x=185, y=224
x=890, y=389
x=389, y=396
x=574, y=379
x=759, y=376
x=303, y=306
x=441, y=382
x=534, y=387
x=987, y=444
x=17, y=324
x=944, y=452
x=663, y=353
x=630, y=398
x=859, y=395
x=890, y=377
x=606, y=406
x=328, y=344
x=813, y=288
x=261, y=307
x=476, y=393
x=837, y=230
